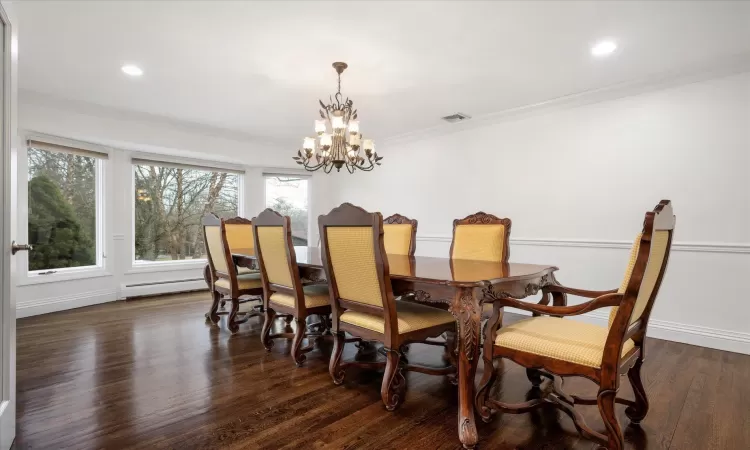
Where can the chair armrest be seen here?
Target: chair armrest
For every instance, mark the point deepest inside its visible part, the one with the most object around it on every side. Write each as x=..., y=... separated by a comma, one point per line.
x=577, y=292
x=608, y=299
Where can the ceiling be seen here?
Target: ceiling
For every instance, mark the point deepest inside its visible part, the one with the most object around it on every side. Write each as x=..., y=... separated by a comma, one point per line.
x=259, y=67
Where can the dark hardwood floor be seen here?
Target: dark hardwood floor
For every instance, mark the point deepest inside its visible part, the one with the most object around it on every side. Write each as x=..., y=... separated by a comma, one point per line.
x=151, y=373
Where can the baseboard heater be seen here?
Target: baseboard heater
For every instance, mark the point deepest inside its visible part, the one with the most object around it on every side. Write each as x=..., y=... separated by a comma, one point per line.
x=162, y=287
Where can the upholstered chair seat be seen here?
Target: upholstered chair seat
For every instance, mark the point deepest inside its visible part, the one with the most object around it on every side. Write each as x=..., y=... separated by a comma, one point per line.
x=246, y=281
x=410, y=317
x=315, y=295
x=566, y=340
x=245, y=270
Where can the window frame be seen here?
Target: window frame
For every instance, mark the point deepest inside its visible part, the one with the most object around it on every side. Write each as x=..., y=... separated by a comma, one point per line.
x=292, y=173
x=102, y=169
x=136, y=267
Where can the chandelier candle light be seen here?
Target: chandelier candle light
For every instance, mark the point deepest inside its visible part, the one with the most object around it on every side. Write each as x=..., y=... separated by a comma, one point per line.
x=338, y=142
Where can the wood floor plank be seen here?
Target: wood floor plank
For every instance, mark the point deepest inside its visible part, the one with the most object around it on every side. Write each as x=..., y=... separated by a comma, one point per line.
x=152, y=374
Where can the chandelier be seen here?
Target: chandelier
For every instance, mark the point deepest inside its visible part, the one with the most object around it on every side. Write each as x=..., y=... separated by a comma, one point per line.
x=338, y=142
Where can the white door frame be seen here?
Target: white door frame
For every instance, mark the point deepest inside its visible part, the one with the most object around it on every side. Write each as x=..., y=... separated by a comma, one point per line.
x=7, y=232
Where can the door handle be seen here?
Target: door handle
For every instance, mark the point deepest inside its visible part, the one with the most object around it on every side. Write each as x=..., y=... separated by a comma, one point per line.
x=18, y=247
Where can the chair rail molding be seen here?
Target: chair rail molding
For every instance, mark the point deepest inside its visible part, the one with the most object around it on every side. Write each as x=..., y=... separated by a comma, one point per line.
x=710, y=247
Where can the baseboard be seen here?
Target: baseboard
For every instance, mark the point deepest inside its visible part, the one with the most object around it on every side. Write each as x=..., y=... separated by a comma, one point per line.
x=148, y=289
x=731, y=341
x=54, y=304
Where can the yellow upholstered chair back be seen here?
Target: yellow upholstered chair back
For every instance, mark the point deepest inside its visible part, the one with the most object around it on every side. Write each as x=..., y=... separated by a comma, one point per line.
x=354, y=258
x=648, y=262
x=657, y=259
x=239, y=233
x=351, y=252
x=274, y=249
x=399, y=235
x=215, y=245
x=482, y=237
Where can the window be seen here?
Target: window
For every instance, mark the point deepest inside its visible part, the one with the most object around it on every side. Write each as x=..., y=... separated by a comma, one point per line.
x=288, y=195
x=171, y=200
x=63, y=207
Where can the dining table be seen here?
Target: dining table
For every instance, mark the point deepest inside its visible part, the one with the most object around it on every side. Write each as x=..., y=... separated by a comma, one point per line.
x=460, y=286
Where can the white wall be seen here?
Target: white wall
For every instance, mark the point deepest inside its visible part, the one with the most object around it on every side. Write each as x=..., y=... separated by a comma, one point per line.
x=576, y=183
x=122, y=133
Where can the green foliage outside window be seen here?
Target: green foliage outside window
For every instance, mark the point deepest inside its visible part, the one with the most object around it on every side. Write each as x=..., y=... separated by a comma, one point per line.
x=62, y=210
x=54, y=231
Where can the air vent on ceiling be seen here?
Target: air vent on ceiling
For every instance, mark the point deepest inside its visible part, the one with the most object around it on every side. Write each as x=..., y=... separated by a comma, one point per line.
x=458, y=117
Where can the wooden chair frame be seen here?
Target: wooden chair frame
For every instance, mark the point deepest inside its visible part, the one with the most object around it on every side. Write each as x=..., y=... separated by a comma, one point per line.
x=218, y=292
x=393, y=386
x=300, y=311
x=482, y=218
x=398, y=219
x=613, y=365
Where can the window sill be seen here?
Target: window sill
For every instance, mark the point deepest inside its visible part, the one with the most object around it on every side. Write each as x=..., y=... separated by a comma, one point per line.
x=61, y=276
x=166, y=266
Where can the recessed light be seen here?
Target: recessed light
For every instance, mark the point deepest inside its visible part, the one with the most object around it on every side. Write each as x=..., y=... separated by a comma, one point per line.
x=133, y=71
x=603, y=48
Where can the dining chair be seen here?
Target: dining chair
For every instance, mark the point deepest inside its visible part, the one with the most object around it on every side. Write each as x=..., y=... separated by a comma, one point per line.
x=554, y=347
x=223, y=276
x=400, y=235
x=482, y=237
x=284, y=291
x=357, y=269
x=240, y=237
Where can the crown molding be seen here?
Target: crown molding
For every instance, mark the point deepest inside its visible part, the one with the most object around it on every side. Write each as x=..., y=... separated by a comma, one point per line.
x=711, y=70
x=31, y=97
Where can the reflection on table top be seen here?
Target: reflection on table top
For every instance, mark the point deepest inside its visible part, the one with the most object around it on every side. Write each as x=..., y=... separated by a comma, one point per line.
x=429, y=268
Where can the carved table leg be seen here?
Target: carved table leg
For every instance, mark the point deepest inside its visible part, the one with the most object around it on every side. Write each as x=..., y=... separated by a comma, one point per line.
x=467, y=308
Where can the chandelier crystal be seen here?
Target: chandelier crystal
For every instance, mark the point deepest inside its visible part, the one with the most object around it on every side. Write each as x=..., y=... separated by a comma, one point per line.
x=338, y=142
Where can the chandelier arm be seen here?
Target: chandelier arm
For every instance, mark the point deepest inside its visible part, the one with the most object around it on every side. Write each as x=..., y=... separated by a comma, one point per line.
x=313, y=167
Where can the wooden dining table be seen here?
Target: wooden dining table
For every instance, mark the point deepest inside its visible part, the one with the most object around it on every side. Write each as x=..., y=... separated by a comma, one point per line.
x=459, y=286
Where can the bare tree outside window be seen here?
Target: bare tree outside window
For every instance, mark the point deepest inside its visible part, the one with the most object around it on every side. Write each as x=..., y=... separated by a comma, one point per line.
x=169, y=205
x=288, y=195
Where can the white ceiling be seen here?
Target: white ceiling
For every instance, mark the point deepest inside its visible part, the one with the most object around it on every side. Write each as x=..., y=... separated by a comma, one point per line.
x=260, y=67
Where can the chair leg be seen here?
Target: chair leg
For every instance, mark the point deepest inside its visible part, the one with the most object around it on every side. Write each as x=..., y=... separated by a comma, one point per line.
x=334, y=365
x=212, y=315
x=394, y=384
x=265, y=333
x=606, y=402
x=233, y=326
x=449, y=354
x=222, y=303
x=485, y=386
x=299, y=336
x=534, y=376
x=638, y=412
